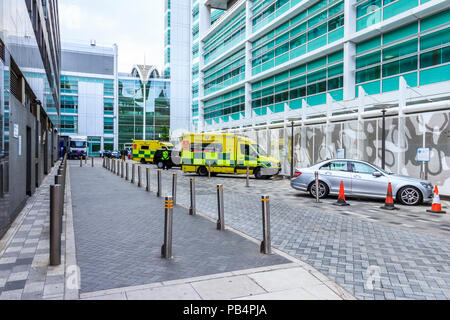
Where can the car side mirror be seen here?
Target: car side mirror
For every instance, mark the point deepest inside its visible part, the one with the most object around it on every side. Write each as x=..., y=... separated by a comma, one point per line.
x=377, y=174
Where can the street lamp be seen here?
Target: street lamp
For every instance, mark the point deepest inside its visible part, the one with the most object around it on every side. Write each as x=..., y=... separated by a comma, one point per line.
x=292, y=146
x=383, y=132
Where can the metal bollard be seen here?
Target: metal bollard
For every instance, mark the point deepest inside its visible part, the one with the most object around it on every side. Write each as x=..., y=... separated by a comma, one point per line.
x=92, y=162
x=174, y=188
x=316, y=175
x=121, y=169
x=147, y=178
x=247, y=182
x=59, y=181
x=220, y=221
x=158, y=180
x=81, y=162
x=166, y=249
x=126, y=172
x=265, y=244
x=139, y=176
x=118, y=168
x=192, y=209
x=132, y=172
x=55, y=225
x=85, y=160
x=209, y=171
x=104, y=164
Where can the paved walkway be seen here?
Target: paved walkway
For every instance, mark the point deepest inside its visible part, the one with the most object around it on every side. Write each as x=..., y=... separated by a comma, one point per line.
x=118, y=251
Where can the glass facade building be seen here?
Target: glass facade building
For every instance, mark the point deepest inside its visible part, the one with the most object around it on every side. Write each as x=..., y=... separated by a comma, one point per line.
x=131, y=108
x=256, y=58
x=89, y=87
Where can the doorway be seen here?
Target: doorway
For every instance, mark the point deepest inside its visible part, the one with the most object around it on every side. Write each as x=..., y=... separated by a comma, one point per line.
x=28, y=155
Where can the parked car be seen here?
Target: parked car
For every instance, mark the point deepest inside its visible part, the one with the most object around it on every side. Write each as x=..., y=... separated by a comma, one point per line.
x=115, y=154
x=171, y=157
x=361, y=179
x=106, y=154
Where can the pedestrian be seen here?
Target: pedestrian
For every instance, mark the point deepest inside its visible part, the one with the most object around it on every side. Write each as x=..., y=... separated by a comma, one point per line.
x=122, y=154
x=129, y=154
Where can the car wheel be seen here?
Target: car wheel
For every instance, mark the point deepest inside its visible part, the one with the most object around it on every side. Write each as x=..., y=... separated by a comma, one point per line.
x=258, y=173
x=160, y=165
x=409, y=196
x=202, y=171
x=323, y=189
x=143, y=161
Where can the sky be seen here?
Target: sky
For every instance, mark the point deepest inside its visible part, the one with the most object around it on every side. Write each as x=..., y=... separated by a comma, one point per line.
x=136, y=26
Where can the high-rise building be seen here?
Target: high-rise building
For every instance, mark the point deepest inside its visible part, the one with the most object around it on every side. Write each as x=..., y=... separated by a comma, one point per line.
x=89, y=88
x=177, y=53
x=324, y=70
x=30, y=60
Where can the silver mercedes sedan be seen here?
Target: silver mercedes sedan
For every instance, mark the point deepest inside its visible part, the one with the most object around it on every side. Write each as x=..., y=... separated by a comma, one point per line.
x=361, y=179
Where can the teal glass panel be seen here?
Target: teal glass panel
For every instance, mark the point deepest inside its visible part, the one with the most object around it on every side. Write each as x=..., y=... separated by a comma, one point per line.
x=370, y=88
x=317, y=99
x=338, y=55
x=268, y=65
x=297, y=52
x=337, y=95
x=368, y=45
x=368, y=20
x=392, y=84
x=435, y=21
x=400, y=33
x=399, y=50
x=267, y=81
x=435, y=39
x=282, y=76
x=397, y=7
x=295, y=104
x=319, y=42
x=278, y=107
x=256, y=70
x=335, y=35
x=368, y=74
x=368, y=59
x=299, y=70
x=296, y=82
x=400, y=66
x=435, y=57
x=434, y=75
x=282, y=59
x=367, y=7
x=317, y=63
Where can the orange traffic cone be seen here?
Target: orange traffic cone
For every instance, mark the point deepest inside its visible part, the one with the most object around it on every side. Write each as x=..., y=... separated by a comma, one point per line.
x=341, y=199
x=389, y=203
x=436, y=205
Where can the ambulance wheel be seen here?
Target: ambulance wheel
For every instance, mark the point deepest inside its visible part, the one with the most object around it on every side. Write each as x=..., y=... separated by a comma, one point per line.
x=143, y=161
x=202, y=171
x=258, y=174
x=160, y=165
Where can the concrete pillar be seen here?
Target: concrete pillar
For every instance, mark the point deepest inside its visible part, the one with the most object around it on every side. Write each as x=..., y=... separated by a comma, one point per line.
x=248, y=59
x=204, y=24
x=349, y=49
x=401, y=149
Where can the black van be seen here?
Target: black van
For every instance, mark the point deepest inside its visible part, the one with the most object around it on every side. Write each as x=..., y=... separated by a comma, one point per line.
x=168, y=158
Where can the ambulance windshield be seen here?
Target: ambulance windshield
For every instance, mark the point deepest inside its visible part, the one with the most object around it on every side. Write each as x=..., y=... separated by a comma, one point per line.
x=259, y=150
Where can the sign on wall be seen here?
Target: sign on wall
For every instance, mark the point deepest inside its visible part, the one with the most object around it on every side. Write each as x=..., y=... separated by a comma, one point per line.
x=341, y=153
x=423, y=154
x=16, y=130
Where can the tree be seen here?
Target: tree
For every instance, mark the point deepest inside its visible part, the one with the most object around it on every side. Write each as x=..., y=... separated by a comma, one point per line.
x=165, y=133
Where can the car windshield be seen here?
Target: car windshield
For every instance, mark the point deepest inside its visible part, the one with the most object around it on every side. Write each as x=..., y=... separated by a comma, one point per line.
x=385, y=171
x=259, y=150
x=78, y=144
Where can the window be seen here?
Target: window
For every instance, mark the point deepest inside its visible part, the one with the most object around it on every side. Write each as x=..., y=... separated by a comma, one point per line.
x=359, y=167
x=335, y=166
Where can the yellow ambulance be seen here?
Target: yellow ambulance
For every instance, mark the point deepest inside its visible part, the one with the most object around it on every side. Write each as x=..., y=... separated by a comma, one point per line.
x=144, y=150
x=226, y=153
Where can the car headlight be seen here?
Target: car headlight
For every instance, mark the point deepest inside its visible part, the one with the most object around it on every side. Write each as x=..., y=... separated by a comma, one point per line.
x=427, y=185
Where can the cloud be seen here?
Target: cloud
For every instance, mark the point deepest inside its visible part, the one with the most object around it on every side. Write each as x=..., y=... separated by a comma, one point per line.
x=137, y=29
